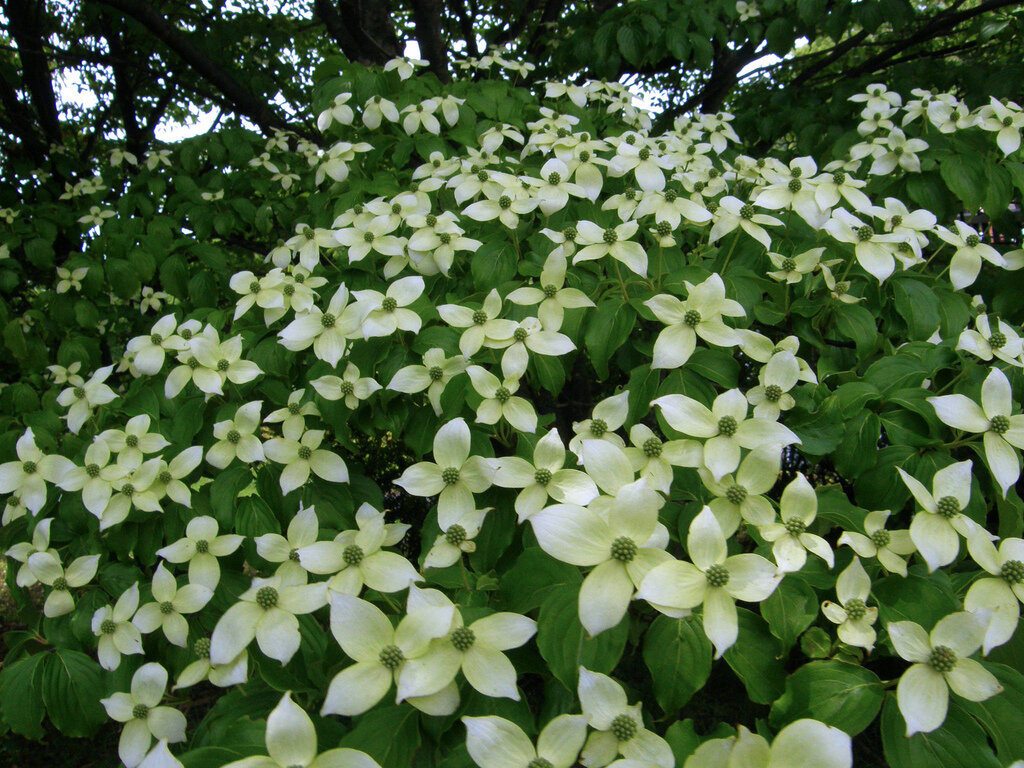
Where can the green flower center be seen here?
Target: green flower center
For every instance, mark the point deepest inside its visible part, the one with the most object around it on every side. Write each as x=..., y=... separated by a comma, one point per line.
x=504, y=202
x=897, y=151
x=156, y=338
x=712, y=206
x=972, y=241
x=92, y=470
x=881, y=538
x=223, y=365
x=234, y=437
x=727, y=426
x=390, y=304
x=855, y=608
x=202, y=546
x=254, y=287
x=598, y=427
x=304, y=452
x=664, y=229
x=481, y=175
x=542, y=476
x=29, y=467
x=610, y=236
x=692, y=318
x=346, y=388
x=480, y=317
x=391, y=657
x=644, y=154
x=462, y=638
x=570, y=233
x=788, y=264
x=294, y=408
x=128, y=490
x=185, y=333
x=166, y=608
x=671, y=195
x=1012, y=571
x=352, y=555
x=395, y=207
x=288, y=290
x=445, y=238
x=896, y=220
x=140, y=712
x=717, y=575
x=623, y=549
x=1007, y=121
x=999, y=424
x=60, y=584
x=450, y=475
x=298, y=278
x=327, y=320
x=502, y=395
x=997, y=340
x=431, y=219
x=772, y=393
x=293, y=555
x=79, y=392
x=948, y=507
x=747, y=212
x=108, y=627
x=652, y=447
x=435, y=372
x=266, y=598
x=554, y=179
x=795, y=185
x=519, y=334
x=132, y=441
x=623, y=728
x=585, y=156
x=942, y=659
x=549, y=291
x=630, y=194
x=699, y=186
x=736, y=494
x=864, y=233
x=838, y=178
x=795, y=526
x=455, y=535
x=201, y=647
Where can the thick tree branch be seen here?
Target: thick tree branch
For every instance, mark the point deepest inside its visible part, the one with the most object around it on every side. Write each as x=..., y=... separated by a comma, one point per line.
x=466, y=27
x=24, y=17
x=17, y=120
x=234, y=92
x=427, y=15
x=339, y=30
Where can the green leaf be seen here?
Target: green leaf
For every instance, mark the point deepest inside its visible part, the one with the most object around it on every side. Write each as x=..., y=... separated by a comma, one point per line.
x=608, y=328
x=857, y=324
x=815, y=643
x=859, y=446
x=564, y=643
x=958, y=743
x=715, y=365
x=917, y=304
x=21, y=702
x=678, y=655
x=527, y=583
x=756, y=658
x=629, y=45
x=72, y=686
x=253, y=517
x=390, y=735
x=998, y=191
x=819, y=432
x=1000, y=715
x=924, y=599
x=967, y=178
x=836, y=693
x=790, y=609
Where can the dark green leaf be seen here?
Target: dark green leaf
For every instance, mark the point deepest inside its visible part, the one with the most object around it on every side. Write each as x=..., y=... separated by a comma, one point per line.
x=756, y=658
x=678, y=655
x=836, y=693
x=790, y=609
x=72, y=686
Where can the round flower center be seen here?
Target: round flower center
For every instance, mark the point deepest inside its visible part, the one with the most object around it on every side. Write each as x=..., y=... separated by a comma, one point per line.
x=445, y=238
x=644, y=154
x=623, y=549
x=570, y=233
x=455, y=535
x=671, y=195
x=972, y=241
x=450, y=475
x=504, y=202
x=185, y=333
x=481, y=175
x=864, y=233
x=234, y=436
x=352, y=555
x=598, y=427
x=896, y=220
x=501, y=394
x=795, y=526
x=166, y=608
x=610, y=236
x=266, y=598
x=549, y=291
x=747, y=211
x=736, y=494
x=855, y=609
x=554, y=179
x=838, y=178
x=948, y=507
x=897, y=151
x=156, y=338
x=294, y=408
x=202, y=546
x=630, y=194
x=788, y=264
x=462, y=638
x=92, y=470
x=60, y=584
x=881, y=538
x=664, y=229
x=717, y=575
x=1007, y=121
x=346, y=388
x=28, y=467
x=712, y=206
x=795, y=185
x=942, y=659
x=542, y=476
x=128, y=490
x=132, y=441
x=519, y=334
x=140, y=711
x=997, y=340
x=479, y=317
x=431, y=219
x=772, y=393
x=79, y=392
x=327, y=320
x=904, y=247
x=1012, y=571
x=304, y=452
x=623, y=728
x=652, y=447
x=585, y=156
x=299, y=278
x=699, y=186
x=201, y=647
x=999, y=424
x=727, y=426
x=293, y=555
x=254, y=287
x=390, y=304
x=288, y=290
x=391, y=657
x=562, y=133
x=108, y=627
x=223, y=365
x=435, y=372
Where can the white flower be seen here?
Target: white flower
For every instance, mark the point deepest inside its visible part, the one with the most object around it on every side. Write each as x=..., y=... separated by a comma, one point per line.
x=303, y=531
x=143, y=716
x=607, y=416
x=771, y=396
x=1005, y=120
x=712, y=579
x=731, y=212
x=117, y=635
x=890, y=547
x=82, y=399
x=494, y=742
x=386, y=313
x=790, y=541
x=801, y=743
x=338, y=112
x=236, y=438
x=433, y=376
x=169, y=604
x=455, y=540
x=294, y=412
x=483, y=327
x=852, y=615
x=876, y=253
x=328, y=331
x=965, y=264
x=986, y=343
x=200, y=547
x=300, y=451
x=699, y=315
x=133, y=442
x=552, y=296
x=1002, y=431
x=403, y=66
x=23, y=550
x=940, y=663
x=46, y=567
x=148, y=352
x=499, y=401
x=611, y=241
x=999, y=596
x=27, y=477
x=70, y=279
x=234, y=672
x=376, y=108
x=350, y=387
x=937, y=527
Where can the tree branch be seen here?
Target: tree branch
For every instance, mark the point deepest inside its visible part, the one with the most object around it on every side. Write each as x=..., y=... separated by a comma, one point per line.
x=427, y=15
x=25, y=28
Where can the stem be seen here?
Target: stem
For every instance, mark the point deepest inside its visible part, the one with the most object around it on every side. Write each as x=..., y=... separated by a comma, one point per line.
x=465, y=574
x=937, y=252
x=731, y=248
